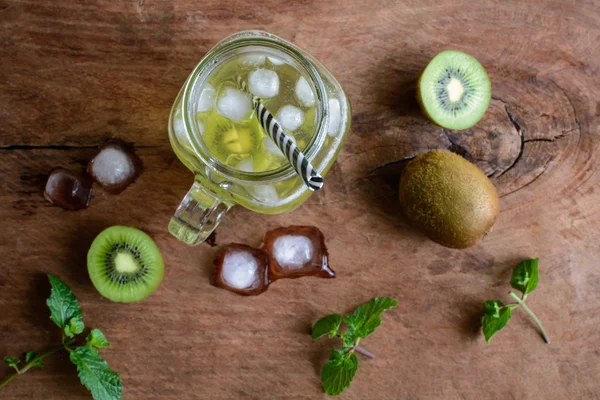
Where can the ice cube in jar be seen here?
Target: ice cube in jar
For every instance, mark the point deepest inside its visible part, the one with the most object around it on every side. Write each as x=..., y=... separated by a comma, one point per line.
x=253, y=59
x=290, y=117
x=263, y=83
x=297, y=251
x=335, y=117
x=275, y=60
x=207, y=98
x=242, y=269
x=234, y=104
x=66, y=190
x=271, y=147
x=304, y=93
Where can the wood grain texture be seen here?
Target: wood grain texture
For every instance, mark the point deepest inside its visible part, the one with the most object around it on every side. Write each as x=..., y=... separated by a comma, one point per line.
x=74, y=73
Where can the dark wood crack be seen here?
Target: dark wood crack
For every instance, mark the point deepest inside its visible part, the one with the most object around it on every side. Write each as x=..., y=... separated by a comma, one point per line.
x=521, y=133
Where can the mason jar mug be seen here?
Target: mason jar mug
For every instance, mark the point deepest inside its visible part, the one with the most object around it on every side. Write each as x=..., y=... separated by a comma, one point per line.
x=218, y=186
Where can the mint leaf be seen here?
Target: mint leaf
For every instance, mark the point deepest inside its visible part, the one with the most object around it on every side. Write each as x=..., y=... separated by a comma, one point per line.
x=11, y=361
x=496, y=316
x=30, y=356
x=96, y=339
x=62, y=303
x=96, y=375
x=366, y=317
x=329, y=325
x=338, y=372
x=525, y=276
x=74, y=327
x=38, y=363
x=349, y=338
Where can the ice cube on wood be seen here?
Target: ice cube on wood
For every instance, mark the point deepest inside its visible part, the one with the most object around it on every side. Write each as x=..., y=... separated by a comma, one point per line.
x=116, y=166
x=67, y=190
x=297, y=251
x=242, y=269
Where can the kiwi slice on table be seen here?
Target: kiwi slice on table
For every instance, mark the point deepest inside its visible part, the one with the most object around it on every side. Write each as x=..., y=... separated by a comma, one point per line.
x=454, y=90
x=124, y=264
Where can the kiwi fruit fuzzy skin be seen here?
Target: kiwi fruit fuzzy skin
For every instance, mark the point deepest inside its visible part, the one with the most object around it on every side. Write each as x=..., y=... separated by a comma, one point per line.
x=448, y=198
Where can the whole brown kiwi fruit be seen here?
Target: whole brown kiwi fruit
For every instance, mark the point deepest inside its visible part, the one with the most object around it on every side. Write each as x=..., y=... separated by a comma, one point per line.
x=449, y=199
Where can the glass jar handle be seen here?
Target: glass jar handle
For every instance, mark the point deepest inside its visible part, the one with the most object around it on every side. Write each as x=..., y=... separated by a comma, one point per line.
x=198, y=215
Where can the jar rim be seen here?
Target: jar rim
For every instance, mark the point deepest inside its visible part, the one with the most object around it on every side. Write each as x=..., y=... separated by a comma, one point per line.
x=214, y=57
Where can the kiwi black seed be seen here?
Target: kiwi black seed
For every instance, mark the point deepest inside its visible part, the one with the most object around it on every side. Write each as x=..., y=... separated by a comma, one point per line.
x=454, y=90
x=124, y=264
x=449, y=199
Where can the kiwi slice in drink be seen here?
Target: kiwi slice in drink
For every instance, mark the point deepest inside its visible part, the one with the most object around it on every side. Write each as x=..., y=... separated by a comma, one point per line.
x=454, y=90
x=224, y=138
x=124, y=264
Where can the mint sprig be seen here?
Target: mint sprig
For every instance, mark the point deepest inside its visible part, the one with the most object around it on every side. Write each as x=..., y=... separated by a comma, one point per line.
x=329, y=325
x=496, y=314
x=339, y=371
x=525, y=276
x=94, y=372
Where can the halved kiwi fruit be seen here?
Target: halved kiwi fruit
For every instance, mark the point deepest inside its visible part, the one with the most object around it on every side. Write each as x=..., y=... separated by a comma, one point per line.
x=124, y=264
x=454, y=90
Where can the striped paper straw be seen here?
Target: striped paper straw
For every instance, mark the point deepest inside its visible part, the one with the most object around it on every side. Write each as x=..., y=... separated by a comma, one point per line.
x=296, y=158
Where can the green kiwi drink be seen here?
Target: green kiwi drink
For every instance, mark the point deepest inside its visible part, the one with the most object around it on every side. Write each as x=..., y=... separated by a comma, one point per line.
x=216, y=133
x=234, y=136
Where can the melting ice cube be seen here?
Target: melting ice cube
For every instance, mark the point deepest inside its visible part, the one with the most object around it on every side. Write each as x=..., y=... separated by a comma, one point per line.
x=263, y=83
x=207, y=98
x=297, y=251
x=335, y=116
x=112, y=167
x=234, y=104
x=67, y=190
x=292, y=251
x=242, y=269
x=115, y=167
x=290, y=117
x=304, y=93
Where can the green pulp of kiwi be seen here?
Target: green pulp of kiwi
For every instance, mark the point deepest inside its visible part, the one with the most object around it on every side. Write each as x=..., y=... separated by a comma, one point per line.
x=454, y=90
x=449, y=199
x=124, y=264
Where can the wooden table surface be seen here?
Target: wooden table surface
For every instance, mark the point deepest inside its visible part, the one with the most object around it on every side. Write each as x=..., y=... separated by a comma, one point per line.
x=74, y=73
